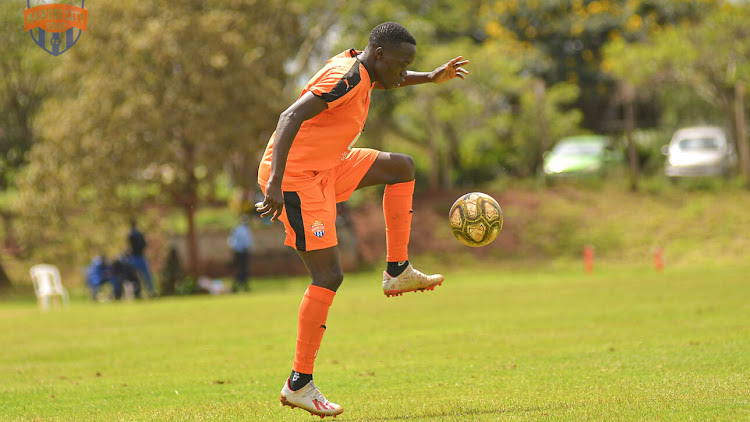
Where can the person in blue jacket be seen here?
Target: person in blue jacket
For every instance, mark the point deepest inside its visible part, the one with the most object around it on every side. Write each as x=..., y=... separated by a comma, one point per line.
x=97, y=274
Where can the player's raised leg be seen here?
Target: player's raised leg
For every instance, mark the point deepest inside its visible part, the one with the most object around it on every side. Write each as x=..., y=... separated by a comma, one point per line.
x=300, y=390
x=396, y=171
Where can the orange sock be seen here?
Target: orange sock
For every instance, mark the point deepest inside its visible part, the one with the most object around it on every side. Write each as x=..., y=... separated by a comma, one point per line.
x=397, y=211
x=311, y=324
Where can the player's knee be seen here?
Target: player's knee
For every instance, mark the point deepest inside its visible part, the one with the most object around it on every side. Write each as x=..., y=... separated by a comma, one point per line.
x=405, y=167
x=331, y=280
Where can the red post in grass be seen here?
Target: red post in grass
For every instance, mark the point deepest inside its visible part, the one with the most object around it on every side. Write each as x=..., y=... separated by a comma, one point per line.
x=659, y=259
x=588, y=259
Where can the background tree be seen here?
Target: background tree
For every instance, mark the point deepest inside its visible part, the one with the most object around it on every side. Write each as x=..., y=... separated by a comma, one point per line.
x=22, y=88
x=573, y=33
x=708, y=59
x=158, y=96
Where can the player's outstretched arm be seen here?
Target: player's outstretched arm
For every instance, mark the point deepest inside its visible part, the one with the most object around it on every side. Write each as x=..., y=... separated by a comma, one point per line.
x=451, y=70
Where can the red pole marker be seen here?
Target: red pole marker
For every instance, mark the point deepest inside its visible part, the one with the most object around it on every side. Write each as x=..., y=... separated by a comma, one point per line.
x=588, y=259
x=658, y=259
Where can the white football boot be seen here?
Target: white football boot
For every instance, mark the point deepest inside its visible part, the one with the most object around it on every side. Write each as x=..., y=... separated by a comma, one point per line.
x=411, y=280
x=310, y=399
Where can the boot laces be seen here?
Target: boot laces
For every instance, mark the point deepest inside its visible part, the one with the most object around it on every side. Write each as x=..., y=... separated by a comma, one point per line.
x=315, y=394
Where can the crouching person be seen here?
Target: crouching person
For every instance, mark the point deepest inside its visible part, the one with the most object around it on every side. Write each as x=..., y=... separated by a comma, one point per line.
x=123, y=273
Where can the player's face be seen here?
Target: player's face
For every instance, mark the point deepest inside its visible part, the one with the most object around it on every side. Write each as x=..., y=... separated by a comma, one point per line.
x=392, y=62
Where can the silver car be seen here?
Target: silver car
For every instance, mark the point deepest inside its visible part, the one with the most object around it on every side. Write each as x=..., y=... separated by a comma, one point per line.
x=699, y=151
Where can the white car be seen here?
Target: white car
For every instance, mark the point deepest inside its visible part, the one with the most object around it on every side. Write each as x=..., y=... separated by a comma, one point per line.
x=699, y=151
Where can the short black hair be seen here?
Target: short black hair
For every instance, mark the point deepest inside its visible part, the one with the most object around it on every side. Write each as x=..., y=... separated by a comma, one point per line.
x=390, y=33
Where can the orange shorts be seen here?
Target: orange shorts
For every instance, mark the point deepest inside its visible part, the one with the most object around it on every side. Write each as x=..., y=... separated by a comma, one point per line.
x=309, y=215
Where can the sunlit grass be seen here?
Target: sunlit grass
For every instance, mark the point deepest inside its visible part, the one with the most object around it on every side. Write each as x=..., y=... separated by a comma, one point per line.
x=619, y=344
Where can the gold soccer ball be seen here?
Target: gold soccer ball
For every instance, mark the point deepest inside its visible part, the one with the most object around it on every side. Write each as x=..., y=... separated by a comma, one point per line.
x=476, y=219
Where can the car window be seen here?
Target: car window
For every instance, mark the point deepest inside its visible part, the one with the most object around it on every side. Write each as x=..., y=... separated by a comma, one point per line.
x=587, y=148
x=695, y=144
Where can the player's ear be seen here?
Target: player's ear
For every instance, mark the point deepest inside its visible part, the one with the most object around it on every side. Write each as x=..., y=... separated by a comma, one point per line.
x=379, y=53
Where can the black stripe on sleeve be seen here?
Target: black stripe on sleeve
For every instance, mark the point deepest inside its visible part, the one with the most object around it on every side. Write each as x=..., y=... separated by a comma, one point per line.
x=293, y=208
x=344, y=85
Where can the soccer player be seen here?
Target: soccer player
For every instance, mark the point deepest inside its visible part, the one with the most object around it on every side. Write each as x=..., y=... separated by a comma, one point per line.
x=310, y=164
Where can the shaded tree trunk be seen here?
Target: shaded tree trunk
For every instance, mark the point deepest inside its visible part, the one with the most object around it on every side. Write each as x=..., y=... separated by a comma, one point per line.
x=187, y=198
x=4, y=280
x=629, y=97
x=741, y=132
x=452, y=159
x=9, y=243
x=171, y=273
x=540, y=94
x=191, y=204
x=192, y=246
x=433, y=180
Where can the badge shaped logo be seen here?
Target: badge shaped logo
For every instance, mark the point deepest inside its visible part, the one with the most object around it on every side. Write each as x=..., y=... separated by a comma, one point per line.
x=55, y=24
x=318, y=228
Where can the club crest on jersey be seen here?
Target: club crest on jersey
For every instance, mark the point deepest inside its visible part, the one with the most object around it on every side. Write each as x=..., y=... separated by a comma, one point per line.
x=318, y=228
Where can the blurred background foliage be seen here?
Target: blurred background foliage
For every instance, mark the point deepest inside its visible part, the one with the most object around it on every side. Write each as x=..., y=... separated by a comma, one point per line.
x=164, y=106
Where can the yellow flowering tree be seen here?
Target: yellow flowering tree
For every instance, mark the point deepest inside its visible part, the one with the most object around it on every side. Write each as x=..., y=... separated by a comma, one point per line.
x=572, y=34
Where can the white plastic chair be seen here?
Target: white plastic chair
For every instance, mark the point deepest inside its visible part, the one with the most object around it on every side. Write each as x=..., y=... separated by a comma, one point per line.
x=47, y=283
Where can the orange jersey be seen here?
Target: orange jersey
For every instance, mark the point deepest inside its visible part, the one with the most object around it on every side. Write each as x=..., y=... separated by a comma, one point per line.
x=325, y=140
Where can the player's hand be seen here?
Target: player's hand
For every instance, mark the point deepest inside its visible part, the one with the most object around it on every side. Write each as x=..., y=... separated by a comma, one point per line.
x=273, y=204
x=452, y=69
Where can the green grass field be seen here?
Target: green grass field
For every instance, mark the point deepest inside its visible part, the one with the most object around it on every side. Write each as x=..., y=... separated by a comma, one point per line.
x=495, y=344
